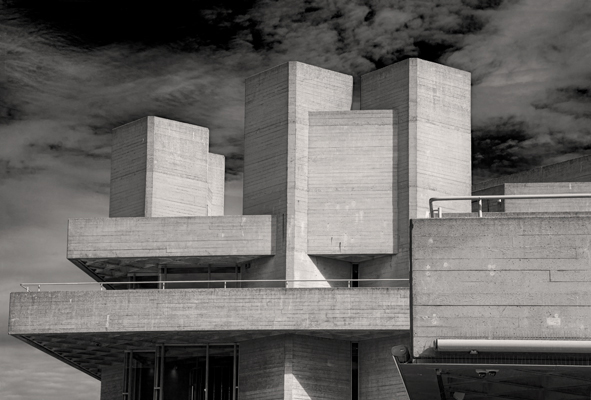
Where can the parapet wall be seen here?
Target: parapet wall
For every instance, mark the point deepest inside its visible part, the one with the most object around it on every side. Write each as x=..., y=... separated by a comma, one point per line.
x=500, y=278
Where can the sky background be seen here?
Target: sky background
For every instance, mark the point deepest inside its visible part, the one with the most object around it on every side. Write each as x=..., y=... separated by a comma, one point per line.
x=73, y=70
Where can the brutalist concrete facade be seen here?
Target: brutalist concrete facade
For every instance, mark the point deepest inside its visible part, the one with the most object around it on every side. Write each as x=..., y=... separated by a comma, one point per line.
x=329, y=194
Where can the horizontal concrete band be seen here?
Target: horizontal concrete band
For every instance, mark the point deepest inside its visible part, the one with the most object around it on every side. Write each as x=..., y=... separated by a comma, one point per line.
x=326, y=309
x=171, y=236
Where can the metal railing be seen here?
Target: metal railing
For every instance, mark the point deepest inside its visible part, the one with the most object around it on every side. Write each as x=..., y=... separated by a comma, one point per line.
x=502, y=197
x=162, y=284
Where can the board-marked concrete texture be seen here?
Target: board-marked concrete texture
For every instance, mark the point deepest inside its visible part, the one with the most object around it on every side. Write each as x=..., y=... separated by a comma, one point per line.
x=210, y=310
x=432, y=102
x=500, y=278
x=351, y=176
x=295, y=367
x=159, y=168
x=278, y=102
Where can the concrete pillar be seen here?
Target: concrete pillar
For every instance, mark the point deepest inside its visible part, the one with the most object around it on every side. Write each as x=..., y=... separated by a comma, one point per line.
x=276, y=157
x=434, y=154
x=379, y=378
x=295, y=367
x=162, y=168
x=112, y=382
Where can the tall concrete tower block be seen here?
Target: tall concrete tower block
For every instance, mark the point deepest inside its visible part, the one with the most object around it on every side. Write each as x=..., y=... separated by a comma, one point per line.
x=162, y=168
x=278, y=102
x=434, y=140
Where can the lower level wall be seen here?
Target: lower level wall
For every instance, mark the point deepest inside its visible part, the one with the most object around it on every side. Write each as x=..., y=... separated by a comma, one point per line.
x=261, y=369
x=112, y=382
x=320, y=368
x=378, y=376
x=295, y=367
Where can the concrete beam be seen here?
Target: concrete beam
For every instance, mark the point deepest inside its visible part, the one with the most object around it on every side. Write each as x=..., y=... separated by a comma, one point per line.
x=203, y=310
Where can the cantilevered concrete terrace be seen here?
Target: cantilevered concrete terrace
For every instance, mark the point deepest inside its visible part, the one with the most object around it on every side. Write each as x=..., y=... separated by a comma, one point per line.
x=91, y=329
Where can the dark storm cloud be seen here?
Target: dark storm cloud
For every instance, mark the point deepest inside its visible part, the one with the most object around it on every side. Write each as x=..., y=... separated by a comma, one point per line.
x=359, y=36
x=531, y=68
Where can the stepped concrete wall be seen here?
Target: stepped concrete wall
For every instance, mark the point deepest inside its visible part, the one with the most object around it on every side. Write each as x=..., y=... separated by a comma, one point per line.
x=159, y=168
x=500, y=278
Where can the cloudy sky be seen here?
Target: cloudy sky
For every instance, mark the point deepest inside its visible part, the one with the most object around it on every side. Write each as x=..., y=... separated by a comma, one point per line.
x=73, y=70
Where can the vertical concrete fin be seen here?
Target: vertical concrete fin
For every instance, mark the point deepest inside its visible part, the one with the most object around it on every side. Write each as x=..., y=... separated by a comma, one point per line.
x=215, y=184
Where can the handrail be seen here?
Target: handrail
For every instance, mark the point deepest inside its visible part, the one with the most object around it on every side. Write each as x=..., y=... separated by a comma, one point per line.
x=225, y=282
x=504, y=196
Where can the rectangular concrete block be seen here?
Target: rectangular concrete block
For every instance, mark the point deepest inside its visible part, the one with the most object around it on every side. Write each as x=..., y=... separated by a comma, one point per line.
x=352, y=171
x=159, y=168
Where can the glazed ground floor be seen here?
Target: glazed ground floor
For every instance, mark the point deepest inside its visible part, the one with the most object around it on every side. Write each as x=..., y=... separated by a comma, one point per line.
x=282, y=366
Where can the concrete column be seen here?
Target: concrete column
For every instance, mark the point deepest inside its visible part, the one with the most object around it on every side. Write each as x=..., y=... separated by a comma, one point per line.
x=276, y=157
x=434, y=155
x=161, y=168
x=295, y=367
x=112, y=382
x=378, y=376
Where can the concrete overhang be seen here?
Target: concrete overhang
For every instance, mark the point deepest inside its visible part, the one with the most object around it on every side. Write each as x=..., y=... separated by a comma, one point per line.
x=112, y=248
x=90, y=330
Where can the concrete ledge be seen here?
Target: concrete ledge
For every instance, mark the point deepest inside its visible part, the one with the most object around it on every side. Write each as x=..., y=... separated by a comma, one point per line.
x=222, y=310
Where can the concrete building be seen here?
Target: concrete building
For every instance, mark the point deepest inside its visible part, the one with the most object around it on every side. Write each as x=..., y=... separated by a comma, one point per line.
x=307, y=295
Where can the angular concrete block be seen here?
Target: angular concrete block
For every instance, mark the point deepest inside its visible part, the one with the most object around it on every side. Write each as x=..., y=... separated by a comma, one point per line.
x=159, y=168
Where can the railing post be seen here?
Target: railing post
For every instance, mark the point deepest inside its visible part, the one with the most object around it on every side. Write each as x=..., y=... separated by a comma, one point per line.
x=224, y=284
x=163, y=285
x=348, y=283
x=38, y=288
x=479, y=208
x=440, y=212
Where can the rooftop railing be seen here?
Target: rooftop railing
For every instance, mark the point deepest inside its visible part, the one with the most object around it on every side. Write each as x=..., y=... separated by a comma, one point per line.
x=162, y=284
x=502, y=197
